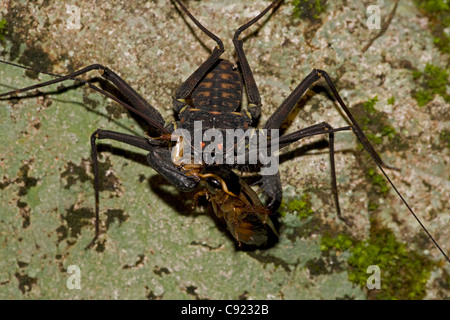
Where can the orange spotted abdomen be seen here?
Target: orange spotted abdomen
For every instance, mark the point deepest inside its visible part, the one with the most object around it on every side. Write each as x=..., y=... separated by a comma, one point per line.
x=220, y=90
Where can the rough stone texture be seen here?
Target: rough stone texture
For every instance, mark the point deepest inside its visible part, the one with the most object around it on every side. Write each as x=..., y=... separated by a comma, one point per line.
x=155, y=246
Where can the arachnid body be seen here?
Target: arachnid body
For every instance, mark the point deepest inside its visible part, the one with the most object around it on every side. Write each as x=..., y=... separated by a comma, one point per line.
x=114, y=186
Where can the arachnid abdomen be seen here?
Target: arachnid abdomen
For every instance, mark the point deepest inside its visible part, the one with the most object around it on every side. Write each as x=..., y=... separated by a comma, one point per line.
x=215, y=100
x=220, y=90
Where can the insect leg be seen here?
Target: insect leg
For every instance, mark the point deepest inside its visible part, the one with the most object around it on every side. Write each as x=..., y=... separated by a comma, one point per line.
x=188, y=86
x=157, y=159
x=254, y=99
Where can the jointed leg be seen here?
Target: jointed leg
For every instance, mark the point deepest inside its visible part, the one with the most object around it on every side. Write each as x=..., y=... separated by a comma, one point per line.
x=138, y=105
x=280, y=115
x=277, y=119
x=270, y=183
x=254, y=99
x=189, y=85
x=252, y=90
x=313, y=130
x=158, y=158
x=321, y=128
x=104, y=134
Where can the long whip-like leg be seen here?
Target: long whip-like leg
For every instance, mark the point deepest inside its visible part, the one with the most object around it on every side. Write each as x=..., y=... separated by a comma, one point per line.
x=280, y=115
x=139, y=106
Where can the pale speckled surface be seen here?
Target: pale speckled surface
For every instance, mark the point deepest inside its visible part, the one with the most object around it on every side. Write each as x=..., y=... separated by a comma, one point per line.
x=157, y=248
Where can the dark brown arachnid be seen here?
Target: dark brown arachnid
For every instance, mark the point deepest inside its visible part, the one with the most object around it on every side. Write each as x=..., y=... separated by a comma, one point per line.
x=212, y=95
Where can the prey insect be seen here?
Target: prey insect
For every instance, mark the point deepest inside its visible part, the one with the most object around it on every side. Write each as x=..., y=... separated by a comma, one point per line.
x=234, y=201
x=213, y=95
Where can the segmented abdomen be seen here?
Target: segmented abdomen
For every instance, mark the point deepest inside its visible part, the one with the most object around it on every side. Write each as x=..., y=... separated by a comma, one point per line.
x=220, y=90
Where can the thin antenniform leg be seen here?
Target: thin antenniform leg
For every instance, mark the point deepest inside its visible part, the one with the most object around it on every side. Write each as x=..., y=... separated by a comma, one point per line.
x=254, y=98
x=410, y=209
x=280, y=115
x=139, y=105
x=188, y=86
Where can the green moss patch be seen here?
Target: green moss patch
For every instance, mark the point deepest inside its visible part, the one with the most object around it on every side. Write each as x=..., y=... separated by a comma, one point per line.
x=310, y=9
x=391, y=101
x=438, y=13
x=301, y=206
x=3, y=24
x=379, y=181
x=403, y=272
x=431, y=81
x=374, y=123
